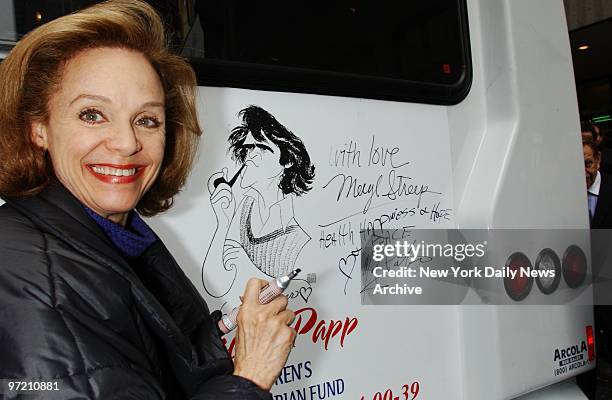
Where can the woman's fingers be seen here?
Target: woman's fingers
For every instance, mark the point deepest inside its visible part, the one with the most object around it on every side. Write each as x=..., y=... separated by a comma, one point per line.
x=287, y=316
x=277, y=305
x=264, y=339
x=251, y=295
x=252, y=290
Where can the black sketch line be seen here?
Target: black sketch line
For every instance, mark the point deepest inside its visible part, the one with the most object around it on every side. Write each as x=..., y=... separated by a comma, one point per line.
x=353, y=256
x=256, y=224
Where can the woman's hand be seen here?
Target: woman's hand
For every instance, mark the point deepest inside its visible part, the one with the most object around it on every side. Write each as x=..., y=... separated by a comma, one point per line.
x=264, y=339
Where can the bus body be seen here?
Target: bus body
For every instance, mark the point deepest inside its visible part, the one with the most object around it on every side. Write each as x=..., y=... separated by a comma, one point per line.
x=507, y=157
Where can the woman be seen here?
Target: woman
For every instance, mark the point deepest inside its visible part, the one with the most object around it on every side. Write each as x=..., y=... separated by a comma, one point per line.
x=98, y=120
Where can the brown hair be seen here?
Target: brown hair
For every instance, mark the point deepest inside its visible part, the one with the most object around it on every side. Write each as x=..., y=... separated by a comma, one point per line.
x=587, y=127
x=591, y=143
x=33, y=71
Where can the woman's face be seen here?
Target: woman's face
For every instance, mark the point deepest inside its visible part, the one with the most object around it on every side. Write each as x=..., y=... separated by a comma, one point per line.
x=106, y=129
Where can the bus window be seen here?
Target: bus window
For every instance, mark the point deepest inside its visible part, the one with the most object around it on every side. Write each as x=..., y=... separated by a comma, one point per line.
x=395, y=50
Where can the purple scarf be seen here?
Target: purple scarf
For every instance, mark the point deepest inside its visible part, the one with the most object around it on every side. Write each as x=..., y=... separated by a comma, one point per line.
x=133, y=239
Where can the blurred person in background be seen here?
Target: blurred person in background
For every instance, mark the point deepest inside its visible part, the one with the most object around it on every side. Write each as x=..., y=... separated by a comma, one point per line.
x=599, y=187
x=599, y=197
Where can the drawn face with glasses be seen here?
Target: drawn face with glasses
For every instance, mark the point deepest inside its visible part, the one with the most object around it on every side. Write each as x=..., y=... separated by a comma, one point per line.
x=263, y=167
x=272, y=154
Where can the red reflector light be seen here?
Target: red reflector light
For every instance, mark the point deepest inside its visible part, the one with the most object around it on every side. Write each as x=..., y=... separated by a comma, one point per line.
x=446, y=68
x=590, y=342
x=574, y=266
x=519, y=287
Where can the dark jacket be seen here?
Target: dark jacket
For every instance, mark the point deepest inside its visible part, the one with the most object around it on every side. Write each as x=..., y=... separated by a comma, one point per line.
x=603, y=211
x=73, y=310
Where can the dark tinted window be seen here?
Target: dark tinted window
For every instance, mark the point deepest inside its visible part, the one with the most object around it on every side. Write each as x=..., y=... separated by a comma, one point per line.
x=403, y=50
x=18, y=17
x=393, y=49
x=32, y=13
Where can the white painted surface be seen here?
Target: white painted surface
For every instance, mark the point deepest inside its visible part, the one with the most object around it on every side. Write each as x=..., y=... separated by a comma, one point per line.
x=506, y=142
x=382, y=347
x=567, y=390
x=517, y=164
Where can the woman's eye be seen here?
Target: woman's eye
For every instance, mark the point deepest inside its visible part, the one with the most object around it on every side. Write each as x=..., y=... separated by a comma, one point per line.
x=91, y=116
x=148, y=122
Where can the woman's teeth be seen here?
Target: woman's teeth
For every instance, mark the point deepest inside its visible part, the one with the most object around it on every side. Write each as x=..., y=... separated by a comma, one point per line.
x=113, y=171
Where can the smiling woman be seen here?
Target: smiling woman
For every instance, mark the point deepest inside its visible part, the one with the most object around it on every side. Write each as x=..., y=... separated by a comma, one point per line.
x=98, y=122
x=106, y=141
x=36, y=68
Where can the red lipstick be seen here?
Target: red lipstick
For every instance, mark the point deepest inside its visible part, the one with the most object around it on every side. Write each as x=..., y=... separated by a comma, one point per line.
x=117, y=179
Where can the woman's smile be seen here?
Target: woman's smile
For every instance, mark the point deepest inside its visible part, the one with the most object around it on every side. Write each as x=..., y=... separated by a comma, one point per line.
x=116, y=174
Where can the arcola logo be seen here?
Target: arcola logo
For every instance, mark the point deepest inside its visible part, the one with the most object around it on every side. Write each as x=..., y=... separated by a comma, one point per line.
x=563, y=353
x=308, y=323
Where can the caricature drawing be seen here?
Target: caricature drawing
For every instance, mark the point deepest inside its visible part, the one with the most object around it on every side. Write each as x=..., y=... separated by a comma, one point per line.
x=257, y=233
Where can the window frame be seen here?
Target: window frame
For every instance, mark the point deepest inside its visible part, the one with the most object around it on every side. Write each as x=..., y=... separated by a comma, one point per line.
x=219, y=73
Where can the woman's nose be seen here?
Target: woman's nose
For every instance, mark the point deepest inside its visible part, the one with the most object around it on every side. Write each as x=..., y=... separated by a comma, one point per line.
x=123, y=140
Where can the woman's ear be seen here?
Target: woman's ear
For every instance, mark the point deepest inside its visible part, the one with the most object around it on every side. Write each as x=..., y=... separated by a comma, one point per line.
x=38, y=134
